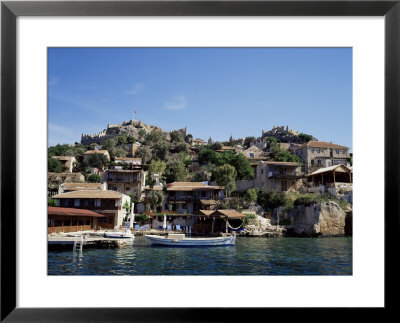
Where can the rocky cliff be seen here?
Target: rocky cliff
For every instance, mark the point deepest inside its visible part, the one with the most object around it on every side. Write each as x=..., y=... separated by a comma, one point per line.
x=322, y=219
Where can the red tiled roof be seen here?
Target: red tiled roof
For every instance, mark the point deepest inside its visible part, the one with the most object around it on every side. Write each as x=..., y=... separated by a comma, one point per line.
x=321, y=144
x=281, y=163
x=67, y=211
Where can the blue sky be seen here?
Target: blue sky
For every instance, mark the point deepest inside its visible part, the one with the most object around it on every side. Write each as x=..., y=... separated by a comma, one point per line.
x=215, y=92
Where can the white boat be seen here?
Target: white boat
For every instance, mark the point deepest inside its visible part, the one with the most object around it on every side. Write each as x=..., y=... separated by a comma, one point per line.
x=179, y=240
x=119, y=235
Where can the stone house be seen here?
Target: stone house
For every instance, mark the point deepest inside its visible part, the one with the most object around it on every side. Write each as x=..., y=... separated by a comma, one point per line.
x=67, y=163
x=188, y=197
x=279, y=176
x=318, y=154
x=108, y=203
x=88, y=153
x=130, y=181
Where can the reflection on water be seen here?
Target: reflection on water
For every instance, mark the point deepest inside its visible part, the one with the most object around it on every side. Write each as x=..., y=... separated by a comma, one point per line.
x=250, y=256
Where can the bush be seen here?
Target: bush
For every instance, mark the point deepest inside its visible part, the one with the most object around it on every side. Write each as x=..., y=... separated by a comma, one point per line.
x=306, y=200
x=271, y=199
x=54, y=165
x=94, y=178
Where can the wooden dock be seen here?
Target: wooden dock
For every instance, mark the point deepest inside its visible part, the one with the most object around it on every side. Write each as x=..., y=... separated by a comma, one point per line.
x=64, y=242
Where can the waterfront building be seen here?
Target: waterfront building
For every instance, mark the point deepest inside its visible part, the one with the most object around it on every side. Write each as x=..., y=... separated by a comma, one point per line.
x=108, y=203
x=333, y=179
x=279, y=176
x=125, y=181
x=61, y=219
x=185, y=197
x=318, y=154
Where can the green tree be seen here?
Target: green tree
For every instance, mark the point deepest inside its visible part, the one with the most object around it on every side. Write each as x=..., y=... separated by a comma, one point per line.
x=248, y=140
x=270, y=200
x=97, y=160
x=175, y=171
x=181, y=147
x=144, y=153
x=207, y=156
x=154, y=138
x=160, y=150
x=141, y=134
x=176, y=136
x=251, y=195
x=210, y=142
x=156, y=198
x=94, y=178
x=54, y=165
x=51, y=202
x=189, y=138
x=305, y=138
x=225, y=175
x=157, y=166
x=216, y=145
x=243, y=167
x=285, y=156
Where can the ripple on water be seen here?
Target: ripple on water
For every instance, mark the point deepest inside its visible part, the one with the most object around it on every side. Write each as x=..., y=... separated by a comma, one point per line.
x=250, y=256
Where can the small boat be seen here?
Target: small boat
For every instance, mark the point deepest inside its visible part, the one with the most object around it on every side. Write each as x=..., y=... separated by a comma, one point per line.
x=119, y=235
x=179, y=240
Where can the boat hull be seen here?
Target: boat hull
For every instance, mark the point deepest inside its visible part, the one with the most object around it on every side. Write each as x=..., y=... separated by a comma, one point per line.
x=191, y=242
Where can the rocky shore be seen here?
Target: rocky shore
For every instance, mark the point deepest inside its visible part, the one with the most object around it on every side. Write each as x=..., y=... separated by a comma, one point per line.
x=325, y=219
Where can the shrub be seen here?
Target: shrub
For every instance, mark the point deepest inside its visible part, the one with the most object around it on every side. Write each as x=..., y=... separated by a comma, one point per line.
x=94, y=178
x=306, y=200
x=54, y=165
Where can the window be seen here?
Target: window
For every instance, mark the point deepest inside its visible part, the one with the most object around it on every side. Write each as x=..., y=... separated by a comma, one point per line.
x=317, y=150
x=312, y=162
x=97, y=202
x=127, y=188
x=77, y=202
x=319, y=161
x=337, y=151
x=262, y=171
x=312, y=150
x=343, y=152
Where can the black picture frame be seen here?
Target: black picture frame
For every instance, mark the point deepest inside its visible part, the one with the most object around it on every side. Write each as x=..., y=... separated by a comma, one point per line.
x=10, y=10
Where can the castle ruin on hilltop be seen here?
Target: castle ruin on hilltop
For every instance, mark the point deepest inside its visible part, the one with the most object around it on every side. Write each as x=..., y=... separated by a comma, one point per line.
x=129, y=128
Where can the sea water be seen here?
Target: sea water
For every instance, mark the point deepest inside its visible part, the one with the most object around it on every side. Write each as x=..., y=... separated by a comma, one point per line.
x=250, y=256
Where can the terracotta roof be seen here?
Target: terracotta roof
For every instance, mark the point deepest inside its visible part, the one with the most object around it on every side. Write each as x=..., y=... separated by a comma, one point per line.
x=330, y=169
x=124, y=170
x=129, y=158
x=186, y=188
x=281, y=163
x=89, y=194
x=206, y=212
x=81, y=186
x=209, y=202
x=191, y=186
x=321, y=144
x=231, y=214
x=63, y=157
x=96, y=152
x=67, y=211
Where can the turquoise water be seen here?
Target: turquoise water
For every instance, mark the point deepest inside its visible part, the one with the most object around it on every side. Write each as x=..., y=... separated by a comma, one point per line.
x=250, y=256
